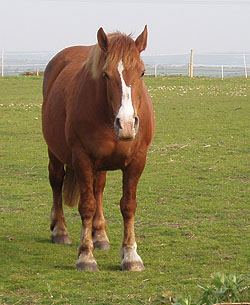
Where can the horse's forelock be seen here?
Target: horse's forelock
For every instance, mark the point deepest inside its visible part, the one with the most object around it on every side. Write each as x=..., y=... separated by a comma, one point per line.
x=121, y=47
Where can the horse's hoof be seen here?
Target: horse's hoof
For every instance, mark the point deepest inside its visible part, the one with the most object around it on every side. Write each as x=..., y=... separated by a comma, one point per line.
x=86, y=262
x=102, y=245
x=131, y=261
x=86, y=266
x=61, y=239
x=133, y=266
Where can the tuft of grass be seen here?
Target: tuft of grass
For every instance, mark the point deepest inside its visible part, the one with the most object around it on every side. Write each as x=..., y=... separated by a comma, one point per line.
x=222, y=289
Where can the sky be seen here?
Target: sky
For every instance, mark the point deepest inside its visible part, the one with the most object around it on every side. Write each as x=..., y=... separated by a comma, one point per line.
x=174, y=26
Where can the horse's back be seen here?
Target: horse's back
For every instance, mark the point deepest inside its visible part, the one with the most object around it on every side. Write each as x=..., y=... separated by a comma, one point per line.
x=73, y=57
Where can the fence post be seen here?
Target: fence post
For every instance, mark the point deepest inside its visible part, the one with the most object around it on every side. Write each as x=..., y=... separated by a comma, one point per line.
x=191, y=65
x=2, y=63
x=155, y=70
x=245, y=65
x=222, y=72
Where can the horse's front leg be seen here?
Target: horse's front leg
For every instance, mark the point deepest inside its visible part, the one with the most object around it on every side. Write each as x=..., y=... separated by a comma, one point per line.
x=87, y=207
x=130, y=260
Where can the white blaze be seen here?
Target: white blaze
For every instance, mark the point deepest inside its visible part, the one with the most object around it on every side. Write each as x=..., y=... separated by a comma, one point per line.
x=126, y=110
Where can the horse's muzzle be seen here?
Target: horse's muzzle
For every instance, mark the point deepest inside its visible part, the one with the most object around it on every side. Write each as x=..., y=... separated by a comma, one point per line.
x=126, y=129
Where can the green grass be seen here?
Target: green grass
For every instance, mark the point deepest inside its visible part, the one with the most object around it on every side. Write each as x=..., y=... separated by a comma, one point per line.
x=223, y=288
x=193, y=199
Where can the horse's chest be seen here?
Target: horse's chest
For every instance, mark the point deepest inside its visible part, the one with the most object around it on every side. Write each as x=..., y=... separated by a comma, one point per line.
x=113, y=155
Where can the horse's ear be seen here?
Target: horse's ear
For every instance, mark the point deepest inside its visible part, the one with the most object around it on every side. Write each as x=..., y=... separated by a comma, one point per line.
x=102, y=40
x=141, y=40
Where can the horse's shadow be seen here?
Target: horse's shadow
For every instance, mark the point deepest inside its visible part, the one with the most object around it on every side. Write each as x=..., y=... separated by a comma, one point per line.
x=104, y=267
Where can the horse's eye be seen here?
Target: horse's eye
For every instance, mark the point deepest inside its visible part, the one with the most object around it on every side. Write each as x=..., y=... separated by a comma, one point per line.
x=105, y=74
x=142, y=73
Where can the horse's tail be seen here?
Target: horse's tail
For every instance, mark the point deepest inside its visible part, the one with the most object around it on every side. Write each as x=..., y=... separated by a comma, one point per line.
x=71, y=192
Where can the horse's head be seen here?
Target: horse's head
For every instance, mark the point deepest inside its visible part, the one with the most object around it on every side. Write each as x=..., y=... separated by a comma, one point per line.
x=122, y=71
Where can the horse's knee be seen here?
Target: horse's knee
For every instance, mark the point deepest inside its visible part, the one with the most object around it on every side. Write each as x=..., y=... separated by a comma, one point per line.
x=87, y=208
x=128, y=208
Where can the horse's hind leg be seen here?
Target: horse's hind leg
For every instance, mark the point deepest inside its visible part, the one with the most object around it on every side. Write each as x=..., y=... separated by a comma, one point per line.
x=58, y=226
x=100, y=238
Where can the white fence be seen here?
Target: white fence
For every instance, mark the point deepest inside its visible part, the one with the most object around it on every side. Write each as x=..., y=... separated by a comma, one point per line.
x=16, y=63
x=213, y=71
x=193, y=64
x=200, y=64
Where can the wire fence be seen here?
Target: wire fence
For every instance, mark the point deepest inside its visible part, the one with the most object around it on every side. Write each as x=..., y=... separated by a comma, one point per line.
x=212, y=71
x=204, y=64
x=18, y=63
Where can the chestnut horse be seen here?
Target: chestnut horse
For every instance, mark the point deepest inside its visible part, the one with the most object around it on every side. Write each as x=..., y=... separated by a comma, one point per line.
x=97, y=116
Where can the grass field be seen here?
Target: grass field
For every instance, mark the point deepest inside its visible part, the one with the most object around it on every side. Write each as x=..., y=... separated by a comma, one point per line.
x=193, y=215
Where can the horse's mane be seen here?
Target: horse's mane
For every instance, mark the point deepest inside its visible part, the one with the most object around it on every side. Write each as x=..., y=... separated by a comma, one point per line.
x=121, y=46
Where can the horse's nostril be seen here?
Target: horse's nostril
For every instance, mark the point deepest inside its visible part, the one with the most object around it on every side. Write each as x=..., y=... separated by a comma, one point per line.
x=118, y=123
x=136, y=123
